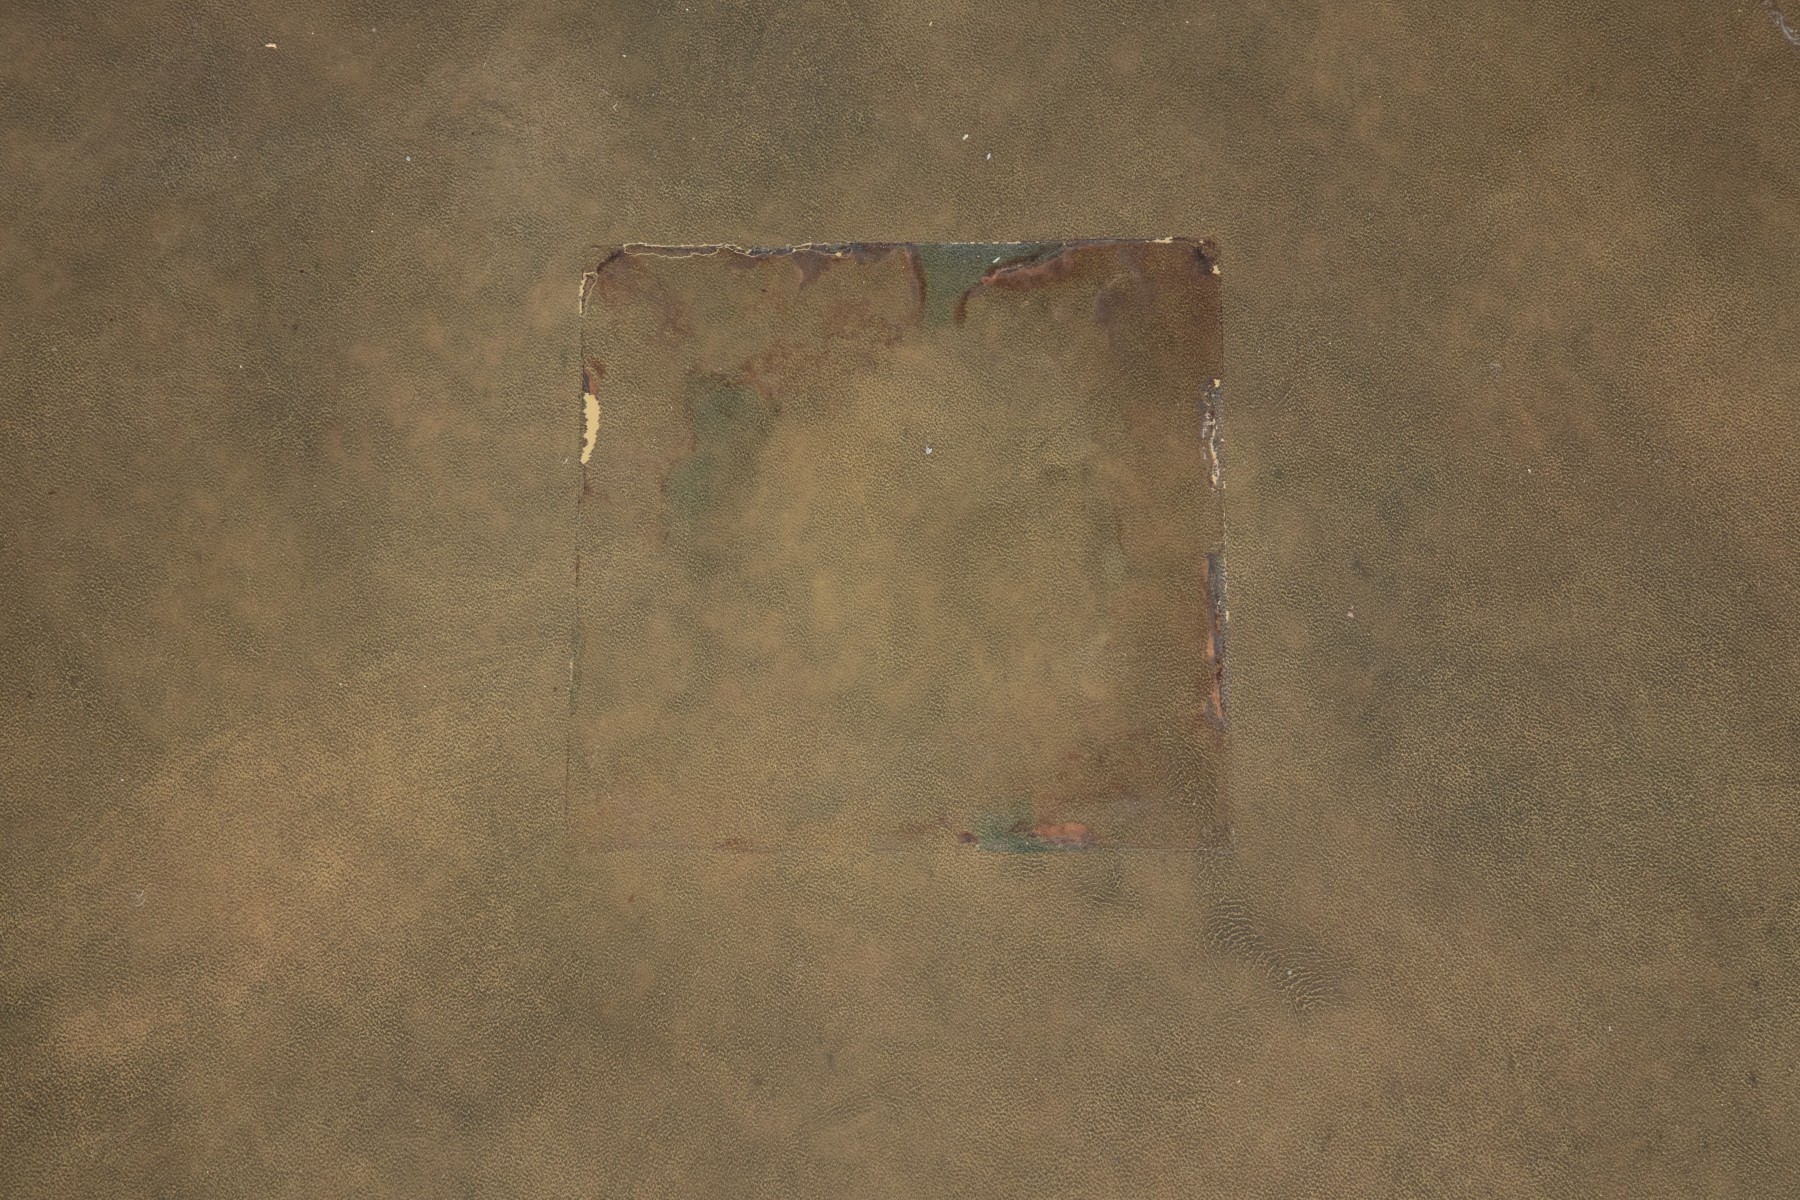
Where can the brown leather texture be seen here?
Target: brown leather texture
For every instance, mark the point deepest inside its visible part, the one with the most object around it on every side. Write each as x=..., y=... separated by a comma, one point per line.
x=293, y=901
x=887, y=544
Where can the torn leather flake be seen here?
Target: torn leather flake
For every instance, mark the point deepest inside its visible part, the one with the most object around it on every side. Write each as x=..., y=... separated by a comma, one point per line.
x=890, y=544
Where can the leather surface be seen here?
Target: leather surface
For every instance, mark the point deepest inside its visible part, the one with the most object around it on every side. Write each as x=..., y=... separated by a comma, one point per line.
x=290, y=414
x=878, y=545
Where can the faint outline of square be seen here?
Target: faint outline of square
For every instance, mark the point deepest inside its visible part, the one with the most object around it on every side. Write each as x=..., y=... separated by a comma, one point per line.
x=886, y=543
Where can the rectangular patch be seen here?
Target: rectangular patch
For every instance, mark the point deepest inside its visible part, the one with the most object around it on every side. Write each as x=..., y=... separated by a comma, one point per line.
x=886, y=544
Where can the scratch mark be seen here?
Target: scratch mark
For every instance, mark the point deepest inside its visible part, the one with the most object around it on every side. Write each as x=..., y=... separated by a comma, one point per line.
x=1209, y=429
x=1788, y=32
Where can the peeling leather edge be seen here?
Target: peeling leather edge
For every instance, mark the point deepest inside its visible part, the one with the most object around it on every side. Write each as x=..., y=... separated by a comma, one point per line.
x=1206, y=249
x=1044, y=250
x=1207, y=245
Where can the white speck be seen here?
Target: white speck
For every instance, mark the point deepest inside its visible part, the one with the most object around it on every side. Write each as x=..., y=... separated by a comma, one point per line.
x=928, y=450
x=270, y=46
x=1351, y=613
x=965, y=137
x=990, y=154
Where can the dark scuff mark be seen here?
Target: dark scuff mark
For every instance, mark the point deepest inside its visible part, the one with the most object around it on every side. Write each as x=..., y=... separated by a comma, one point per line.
x=1213, y=579
x=1206, y=253
x=917, y=264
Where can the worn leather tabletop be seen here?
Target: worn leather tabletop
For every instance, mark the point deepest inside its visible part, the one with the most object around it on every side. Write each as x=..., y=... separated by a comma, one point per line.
x=294, y=901
x=888, y=545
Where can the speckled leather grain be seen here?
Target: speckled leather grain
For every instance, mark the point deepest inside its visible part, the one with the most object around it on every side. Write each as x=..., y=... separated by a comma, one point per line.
x=883, y=545
x=290, y=415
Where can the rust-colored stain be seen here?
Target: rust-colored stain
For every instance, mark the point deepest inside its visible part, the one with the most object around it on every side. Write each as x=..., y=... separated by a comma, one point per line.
x=1064, y=835
x=890, y=533
x=1037, y=269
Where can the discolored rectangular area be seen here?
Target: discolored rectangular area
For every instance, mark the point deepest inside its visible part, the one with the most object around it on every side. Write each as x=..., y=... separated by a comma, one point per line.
x=882, y=545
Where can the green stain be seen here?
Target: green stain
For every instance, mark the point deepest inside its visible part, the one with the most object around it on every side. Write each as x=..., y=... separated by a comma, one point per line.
x=1008, y=831
x=953, y=268
x=731, y=424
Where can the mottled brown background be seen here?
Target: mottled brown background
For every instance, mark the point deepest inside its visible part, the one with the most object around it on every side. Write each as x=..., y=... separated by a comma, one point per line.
x=289, y=907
